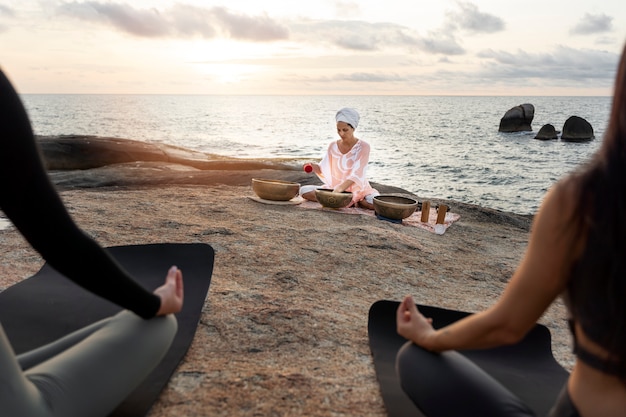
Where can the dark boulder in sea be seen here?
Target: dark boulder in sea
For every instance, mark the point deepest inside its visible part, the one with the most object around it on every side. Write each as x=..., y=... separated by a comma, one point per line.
x=577, y=129
x=518, y=119
x=547, y=132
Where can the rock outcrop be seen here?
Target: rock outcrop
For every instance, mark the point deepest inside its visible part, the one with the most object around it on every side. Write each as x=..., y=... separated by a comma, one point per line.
x=547, y=132
x=577, y=129
x=93, y=162
x=518, y=119
x=86, y=152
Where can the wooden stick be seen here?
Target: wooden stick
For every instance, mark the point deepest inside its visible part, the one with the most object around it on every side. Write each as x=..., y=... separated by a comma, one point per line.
x=441, y=213
x=425, y=211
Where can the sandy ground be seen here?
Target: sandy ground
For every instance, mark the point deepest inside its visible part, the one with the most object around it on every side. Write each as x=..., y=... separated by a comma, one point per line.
x=284, y=328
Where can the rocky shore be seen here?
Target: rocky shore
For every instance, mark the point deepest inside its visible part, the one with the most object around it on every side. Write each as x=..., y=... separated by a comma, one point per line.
x=284, y=328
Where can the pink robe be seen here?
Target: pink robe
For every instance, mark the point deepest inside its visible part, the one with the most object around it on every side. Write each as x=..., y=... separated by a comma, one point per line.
x=337, y=167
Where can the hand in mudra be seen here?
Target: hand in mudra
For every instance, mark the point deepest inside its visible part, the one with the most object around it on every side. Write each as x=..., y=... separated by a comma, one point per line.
x=171, y=292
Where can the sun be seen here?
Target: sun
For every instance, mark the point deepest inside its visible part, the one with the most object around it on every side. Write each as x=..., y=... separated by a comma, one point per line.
x=226, y=61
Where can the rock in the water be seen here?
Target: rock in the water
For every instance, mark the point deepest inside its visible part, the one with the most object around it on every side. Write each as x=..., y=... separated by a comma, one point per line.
x=547, y=132
x=518, y=119
x=577, y=129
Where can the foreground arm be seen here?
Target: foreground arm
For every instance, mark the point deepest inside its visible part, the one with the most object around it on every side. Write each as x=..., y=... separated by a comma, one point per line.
x=540, y=278
x=31, y=202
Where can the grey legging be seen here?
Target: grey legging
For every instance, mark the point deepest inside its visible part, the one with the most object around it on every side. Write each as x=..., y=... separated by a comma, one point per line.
x=86, y=373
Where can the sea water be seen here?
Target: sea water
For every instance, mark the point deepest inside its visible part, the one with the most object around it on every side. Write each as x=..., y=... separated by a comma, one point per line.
x=445, y=147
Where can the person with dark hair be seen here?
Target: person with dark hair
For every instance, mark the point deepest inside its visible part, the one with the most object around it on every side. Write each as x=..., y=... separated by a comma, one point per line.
x=577, y=250
x=91, y=371
x=344, y=165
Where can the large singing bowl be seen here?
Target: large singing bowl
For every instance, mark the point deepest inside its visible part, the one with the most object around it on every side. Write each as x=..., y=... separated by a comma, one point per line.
x=276, y=190
x=394, y=207
x=332, y=199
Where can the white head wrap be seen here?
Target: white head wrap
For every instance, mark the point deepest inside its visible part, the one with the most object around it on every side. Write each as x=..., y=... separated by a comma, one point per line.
x=349, y=116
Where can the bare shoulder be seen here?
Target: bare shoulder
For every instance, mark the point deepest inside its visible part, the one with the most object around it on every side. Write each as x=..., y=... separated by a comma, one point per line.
x=552, y=225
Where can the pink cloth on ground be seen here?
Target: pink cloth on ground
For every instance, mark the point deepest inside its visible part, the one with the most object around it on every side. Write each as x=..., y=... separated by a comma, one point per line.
x=337, y=167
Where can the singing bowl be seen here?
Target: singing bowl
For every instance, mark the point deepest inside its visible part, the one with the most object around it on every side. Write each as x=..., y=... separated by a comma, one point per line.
x=276, y=190
x=394, y=207
x=331, y=199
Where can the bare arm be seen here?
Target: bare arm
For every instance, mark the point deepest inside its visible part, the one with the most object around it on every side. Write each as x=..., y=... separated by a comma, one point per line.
x=539, y=279
x=343, y=186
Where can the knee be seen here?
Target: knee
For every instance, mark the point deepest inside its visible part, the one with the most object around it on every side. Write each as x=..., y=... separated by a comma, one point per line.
x=158, y=330
x=409, y=360
x=171, y=319
x=170, y=324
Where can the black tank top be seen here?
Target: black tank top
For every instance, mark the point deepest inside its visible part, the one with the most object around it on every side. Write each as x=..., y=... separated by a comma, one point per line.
x=603, y=365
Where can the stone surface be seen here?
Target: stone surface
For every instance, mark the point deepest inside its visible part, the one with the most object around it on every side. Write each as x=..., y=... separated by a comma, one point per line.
x=577, y=129
x=518, y=119
x=284, y=328
x=547, y=132
x=85, y=152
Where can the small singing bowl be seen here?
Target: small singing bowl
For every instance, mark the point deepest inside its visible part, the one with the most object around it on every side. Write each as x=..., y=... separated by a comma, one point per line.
x=332, y=199
x=276, y=190
x=394, y=207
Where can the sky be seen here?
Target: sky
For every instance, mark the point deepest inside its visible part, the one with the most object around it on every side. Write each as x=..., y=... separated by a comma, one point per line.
x=319, y=47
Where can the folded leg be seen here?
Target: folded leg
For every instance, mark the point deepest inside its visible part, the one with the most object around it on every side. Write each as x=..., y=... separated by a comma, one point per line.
x=88, y=378
x=41, y=354
x=450, y=385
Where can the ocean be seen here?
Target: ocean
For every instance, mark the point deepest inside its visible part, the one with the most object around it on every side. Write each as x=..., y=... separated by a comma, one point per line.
x=445, y=147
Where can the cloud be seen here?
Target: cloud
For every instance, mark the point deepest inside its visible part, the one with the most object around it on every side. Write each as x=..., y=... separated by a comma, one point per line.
x=370, y=37
x=469, y=18
x=242, y=27
x=356, y=79
x=593, y=23
x=5, y=11
x=179, y=21
x=443, y=44
x=564, y=64
x=352, y=34
x=368, y=77
x=347, y=8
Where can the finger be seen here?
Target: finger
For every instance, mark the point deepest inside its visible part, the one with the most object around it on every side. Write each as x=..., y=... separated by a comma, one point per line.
x=408, y=303
x=171, y=274
x=179, y=284
x=401, y=313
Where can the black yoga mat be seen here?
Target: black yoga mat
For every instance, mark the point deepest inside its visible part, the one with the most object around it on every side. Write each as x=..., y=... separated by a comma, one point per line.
x=527, y=368
x=46, y=306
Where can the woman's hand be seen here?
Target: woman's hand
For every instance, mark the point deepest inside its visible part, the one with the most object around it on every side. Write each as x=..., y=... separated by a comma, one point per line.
x=171, y=292
x=411, y=324
x=315, y=168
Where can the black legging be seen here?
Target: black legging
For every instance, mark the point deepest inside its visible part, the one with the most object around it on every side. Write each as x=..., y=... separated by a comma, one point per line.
x=450, y=385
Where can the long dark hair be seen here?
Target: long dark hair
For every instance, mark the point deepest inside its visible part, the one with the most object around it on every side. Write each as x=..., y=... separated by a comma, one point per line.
x=597, y=287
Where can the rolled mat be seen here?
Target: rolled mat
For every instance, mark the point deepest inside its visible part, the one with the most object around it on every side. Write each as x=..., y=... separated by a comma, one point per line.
x=46, y=306
x=527, y=368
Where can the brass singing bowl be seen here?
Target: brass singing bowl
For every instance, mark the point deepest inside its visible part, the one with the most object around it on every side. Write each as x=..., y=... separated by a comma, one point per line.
x=331, y=199
x=394, y=207
x=276, y=190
